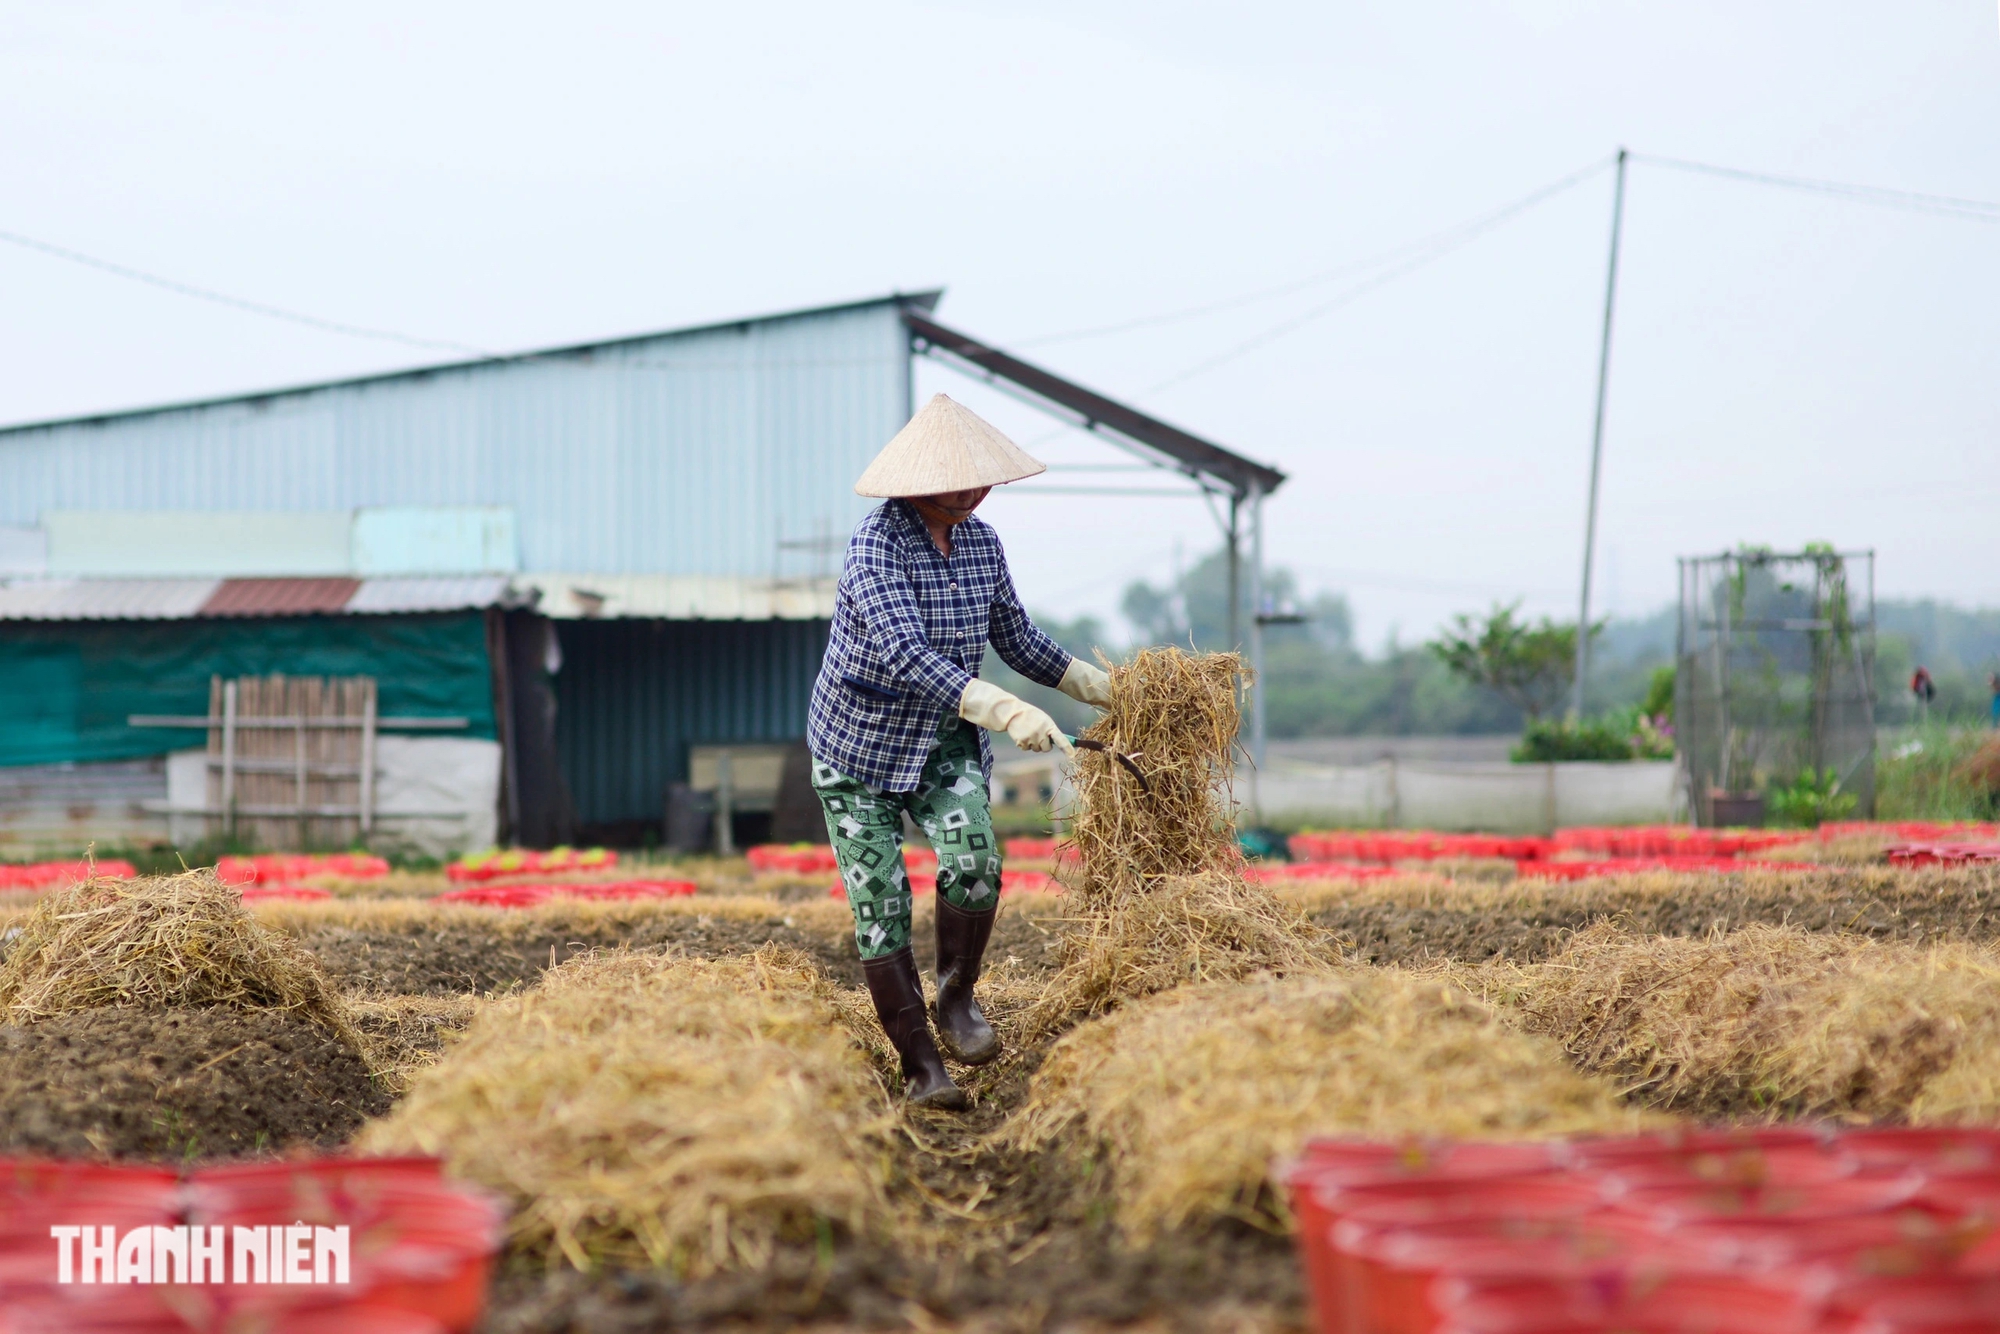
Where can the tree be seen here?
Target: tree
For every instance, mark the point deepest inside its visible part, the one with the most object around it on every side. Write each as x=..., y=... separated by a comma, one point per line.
x=1529, y=666
x=1195, y=608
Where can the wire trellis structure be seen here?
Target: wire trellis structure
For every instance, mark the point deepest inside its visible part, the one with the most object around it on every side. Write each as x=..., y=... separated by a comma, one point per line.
x=1776, y=674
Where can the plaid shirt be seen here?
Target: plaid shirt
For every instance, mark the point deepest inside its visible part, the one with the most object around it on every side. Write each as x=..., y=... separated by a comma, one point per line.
x=910, y=628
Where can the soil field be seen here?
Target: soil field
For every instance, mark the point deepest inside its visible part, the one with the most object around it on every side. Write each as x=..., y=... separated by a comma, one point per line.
x=178, y=1084
x=1424, y=920
x=1018, y=1240
x=408, y=948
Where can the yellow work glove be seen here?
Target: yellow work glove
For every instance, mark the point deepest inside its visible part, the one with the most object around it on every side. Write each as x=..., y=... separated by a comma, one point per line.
x=1086, y=684
x=994, y=709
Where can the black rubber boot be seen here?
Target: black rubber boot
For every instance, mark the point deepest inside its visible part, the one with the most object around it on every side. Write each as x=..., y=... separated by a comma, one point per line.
x=899, y=1003
x=961, y=943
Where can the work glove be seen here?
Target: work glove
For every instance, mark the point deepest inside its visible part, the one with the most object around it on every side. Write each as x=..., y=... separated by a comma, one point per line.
x=994, y=709
x=1086, y=684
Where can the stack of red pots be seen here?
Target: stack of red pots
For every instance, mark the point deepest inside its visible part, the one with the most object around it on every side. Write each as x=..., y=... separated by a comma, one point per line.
x=1773, y=1231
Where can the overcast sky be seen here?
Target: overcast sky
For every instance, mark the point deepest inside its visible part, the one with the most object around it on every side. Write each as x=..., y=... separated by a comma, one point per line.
x=1788, y=367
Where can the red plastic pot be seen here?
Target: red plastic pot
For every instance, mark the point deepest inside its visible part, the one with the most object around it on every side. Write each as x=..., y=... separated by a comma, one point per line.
x=1358, y=1161
x=1614, y=1151
x=417, y=1243
x=1970, y=1194
x=1359, y=1212
x=1674, y=1204
x=1391, y=1280
x=1321, y=1183
x=1922, y=1301
x=1898, y=1241
x=1642, y=1299
x=354, y=1319
x=1779, y=1166
x=1935, y=1150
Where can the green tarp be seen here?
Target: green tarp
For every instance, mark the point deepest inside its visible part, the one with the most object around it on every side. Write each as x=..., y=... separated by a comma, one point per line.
x=67, y=687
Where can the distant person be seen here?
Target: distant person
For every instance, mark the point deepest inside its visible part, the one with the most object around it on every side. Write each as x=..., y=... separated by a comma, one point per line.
x=895, y=721
x=1924, y=689
x=1993, y=714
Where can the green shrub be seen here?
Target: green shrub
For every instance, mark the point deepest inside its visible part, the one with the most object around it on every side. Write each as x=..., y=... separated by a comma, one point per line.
x=1659, y=701
x=1545, y=742
x=1926, y=777
x=1810, y=801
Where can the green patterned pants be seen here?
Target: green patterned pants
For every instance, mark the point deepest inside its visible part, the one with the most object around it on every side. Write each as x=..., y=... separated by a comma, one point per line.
x=866, y=825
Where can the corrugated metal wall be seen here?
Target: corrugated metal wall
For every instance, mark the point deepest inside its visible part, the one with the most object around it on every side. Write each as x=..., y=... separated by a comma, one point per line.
x=632, y=696
x=688, y=453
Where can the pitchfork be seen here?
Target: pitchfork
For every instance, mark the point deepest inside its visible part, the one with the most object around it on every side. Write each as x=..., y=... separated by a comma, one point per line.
x=1130, y=761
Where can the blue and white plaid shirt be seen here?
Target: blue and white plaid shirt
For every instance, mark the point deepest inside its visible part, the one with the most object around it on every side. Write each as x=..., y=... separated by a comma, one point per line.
x=910, y=628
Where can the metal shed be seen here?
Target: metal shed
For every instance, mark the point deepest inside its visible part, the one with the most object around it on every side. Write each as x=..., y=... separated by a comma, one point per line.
x=633, y=542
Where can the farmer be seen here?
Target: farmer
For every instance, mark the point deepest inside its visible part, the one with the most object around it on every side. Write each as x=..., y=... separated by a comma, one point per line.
x=895, y=718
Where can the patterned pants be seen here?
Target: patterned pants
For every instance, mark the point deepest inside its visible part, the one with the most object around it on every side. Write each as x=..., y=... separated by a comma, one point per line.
x=866, y=825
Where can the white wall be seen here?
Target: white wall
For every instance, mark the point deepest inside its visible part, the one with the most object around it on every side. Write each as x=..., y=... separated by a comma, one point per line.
x=434, y=796
x=1496, y=798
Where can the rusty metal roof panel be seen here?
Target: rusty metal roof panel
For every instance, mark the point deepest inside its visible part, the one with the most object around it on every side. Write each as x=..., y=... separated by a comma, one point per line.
x=394, y=595
x=104, y=599
x=279, y=597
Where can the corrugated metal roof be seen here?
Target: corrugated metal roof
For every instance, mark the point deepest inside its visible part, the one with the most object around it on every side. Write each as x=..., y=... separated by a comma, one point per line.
x=279, y=597
x=700, y=452
x=589, y=597
x=563, y=596
x=104, y=599
x=461, y=593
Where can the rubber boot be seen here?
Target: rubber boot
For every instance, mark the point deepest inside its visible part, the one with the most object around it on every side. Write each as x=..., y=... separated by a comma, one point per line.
x=961, y=943
x=899, y=1003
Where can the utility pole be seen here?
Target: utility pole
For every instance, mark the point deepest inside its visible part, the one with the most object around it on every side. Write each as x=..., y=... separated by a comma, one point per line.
x=1235, y=576
x=1597, y=448
x=1257, y=614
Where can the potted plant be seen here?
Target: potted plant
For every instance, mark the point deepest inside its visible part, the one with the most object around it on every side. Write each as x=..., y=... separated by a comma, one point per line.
x=1736, y=803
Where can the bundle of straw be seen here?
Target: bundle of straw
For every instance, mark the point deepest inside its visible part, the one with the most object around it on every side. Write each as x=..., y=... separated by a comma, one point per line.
x=1179, y=712
x=160, y=942
x=1192, y=1094
x=1183, y=929
x=660, y=1110
x=1777, y=1021
x=1161, y=895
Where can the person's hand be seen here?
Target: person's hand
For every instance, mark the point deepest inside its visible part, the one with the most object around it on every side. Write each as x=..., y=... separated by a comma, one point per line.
x=1086, y=684
x=997, y=711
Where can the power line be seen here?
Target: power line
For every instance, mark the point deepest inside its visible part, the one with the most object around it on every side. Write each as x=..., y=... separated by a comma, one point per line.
x=1432, y=247
x=1438, y=246
x=1473, y=227
x=240, y=303
x=1442, y=243
x=1975, y=210
x=1418, y=253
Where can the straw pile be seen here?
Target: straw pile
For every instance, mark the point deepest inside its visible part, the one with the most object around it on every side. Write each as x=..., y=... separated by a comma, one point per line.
x=660, y=1110
x=159, y=942
x=1418, y=919
x=1777, y=1021
x=1192, y=1094
x=577, y=917
x=1178, y=711
x=1160, y=889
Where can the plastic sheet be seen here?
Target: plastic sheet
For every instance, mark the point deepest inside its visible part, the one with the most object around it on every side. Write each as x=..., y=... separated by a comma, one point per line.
x=496, y=865
x=519, y=895
x=55, y=875
x=287, y=868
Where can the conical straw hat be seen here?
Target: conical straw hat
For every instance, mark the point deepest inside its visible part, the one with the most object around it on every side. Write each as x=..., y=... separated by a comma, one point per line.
x=946, y=447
